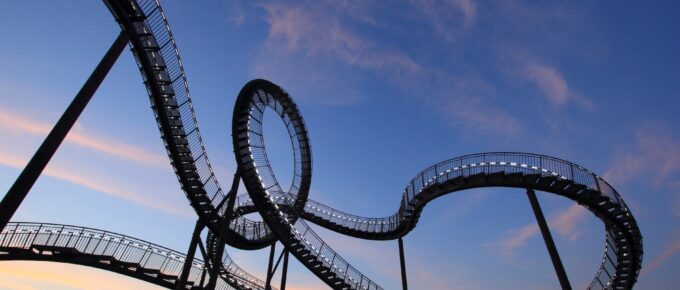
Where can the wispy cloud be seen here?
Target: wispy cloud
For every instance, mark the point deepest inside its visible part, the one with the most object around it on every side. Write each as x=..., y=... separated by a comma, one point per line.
x=668, y=251
x=296, y=29
x=464, y=204
x=93, y=182
x=78, y=136
x=549, y=81
x=655, y=154
x=40, y=275
x=320, y=52
x=474, y=113
x=449, y=18
x=553, y=85
x=565, y=223
x=450, y=275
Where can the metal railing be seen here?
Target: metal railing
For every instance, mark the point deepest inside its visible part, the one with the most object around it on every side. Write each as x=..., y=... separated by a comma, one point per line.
x=121, y=248
x=160, y=48
x=465, y=166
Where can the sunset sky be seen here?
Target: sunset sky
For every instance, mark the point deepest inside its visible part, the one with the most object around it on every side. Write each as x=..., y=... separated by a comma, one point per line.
x=386, y=90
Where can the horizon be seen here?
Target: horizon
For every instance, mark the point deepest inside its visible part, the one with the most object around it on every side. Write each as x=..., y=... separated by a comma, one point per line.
x=385, y=92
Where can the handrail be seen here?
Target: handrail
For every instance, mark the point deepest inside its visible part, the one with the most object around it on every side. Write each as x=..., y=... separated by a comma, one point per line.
x=122, y=248
x=399, y=224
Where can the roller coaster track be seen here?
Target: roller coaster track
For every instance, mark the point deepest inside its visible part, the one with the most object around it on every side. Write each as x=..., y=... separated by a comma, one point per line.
x=113, y=252
x=623, y=246
x=284, y=210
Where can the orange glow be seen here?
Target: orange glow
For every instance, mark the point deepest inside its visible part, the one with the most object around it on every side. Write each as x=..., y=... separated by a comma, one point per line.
x=24, y=275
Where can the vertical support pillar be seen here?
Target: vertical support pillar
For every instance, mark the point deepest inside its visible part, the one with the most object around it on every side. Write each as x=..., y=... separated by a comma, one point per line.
x=227, y=216
x=270, y=271
x=402, y=261
x=284, y=271
x=549, y=243
x=195, y=239
x=35, y=166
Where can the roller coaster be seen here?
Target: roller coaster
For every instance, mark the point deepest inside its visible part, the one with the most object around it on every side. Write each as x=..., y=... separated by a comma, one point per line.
x=285, y=210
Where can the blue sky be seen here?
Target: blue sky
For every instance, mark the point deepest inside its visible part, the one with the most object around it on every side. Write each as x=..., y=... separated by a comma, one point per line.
x=386, y=90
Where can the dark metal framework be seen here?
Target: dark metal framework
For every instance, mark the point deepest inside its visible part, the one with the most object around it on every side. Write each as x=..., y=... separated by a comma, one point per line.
x=114, y=252
x=286, y=209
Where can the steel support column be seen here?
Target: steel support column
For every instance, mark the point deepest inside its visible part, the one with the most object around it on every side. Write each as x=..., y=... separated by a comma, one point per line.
x=402, y=261
x=284, y=270
x=549, y=243
x=195, y=239
x=230, y=199
x=35, y=166
x=270, y=269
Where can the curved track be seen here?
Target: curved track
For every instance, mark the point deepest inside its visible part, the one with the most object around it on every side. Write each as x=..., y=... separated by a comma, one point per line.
x=623, y=247
x=158, y=59
x=113, y=252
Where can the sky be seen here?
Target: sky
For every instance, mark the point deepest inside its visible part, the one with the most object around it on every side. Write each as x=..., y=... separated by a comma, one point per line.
x=387, y=89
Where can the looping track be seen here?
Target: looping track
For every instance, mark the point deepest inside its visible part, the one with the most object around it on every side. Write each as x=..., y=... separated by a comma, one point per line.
x=285, y=210
x=623, y=247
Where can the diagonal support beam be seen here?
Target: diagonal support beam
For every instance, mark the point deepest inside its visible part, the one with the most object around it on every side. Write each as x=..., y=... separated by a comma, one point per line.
x=284, y=271
x=228, y=215
x=270, y=272
x=402, y=262
x=195, y=240
x=36, y=165
x=549, y=243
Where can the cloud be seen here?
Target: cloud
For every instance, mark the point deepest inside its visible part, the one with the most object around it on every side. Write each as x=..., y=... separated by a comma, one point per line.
x=464, y=204
x=565, y=223
x=518, y=239
x=655, y=155
x=21, y=275
x=676, y=204
x=98, y=184
x=474, y=113
x=549, y=81
x=445, y=16
x=667, y=252
x=14, y=122
x=469, y=10
x=448, y=276
x=296, y=29
x=304, y=46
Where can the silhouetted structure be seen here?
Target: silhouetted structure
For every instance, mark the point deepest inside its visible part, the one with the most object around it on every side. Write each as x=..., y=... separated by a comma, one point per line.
x=286, y=210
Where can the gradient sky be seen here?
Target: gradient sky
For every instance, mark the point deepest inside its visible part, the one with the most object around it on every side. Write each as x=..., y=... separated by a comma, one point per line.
x=386, y=89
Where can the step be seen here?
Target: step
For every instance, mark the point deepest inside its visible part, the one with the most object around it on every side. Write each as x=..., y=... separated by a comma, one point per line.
x=560, y=184
x=514, y=176
x=55, y=250
x=530, y=178
x=574, y=188
x=546, y=181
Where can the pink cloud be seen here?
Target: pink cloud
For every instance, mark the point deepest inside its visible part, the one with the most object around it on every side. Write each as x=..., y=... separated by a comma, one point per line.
x=445, y=16
x=676, y=204
x=565, y=223
x=21, y=275
x=549, y=81
x=296, y=29
x=78, y=136
x=670, y=250
x=518, y=239
x=473, y=113
x=655, y=154
x=98, y=184
x=427, y=274
x=469, y=10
